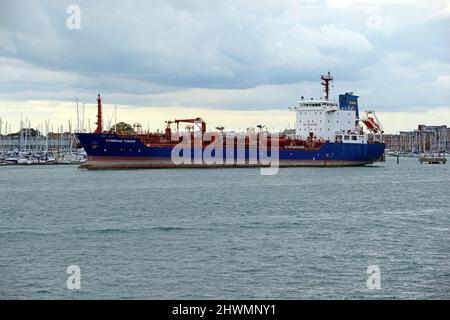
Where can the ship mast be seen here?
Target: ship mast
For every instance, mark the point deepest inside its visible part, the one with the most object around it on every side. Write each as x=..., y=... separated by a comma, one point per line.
x=326, y=79
x=99, y=115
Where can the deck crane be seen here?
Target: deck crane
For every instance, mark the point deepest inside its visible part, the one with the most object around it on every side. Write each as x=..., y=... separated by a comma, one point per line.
x=195, y=121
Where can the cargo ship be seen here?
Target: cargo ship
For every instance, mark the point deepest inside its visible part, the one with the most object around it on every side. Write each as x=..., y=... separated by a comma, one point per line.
x=327, y=133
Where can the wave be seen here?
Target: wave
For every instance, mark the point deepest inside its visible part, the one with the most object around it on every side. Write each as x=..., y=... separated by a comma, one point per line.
x=97, y=230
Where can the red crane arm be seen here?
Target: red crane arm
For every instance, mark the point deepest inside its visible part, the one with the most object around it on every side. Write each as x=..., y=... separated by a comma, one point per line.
x=177, y=121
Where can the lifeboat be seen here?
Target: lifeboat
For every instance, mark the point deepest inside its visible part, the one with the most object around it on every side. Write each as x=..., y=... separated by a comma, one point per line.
x=372, y=123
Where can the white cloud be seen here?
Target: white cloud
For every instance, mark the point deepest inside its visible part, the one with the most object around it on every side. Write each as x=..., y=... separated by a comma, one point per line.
x=394, y=122
x=6, y=44
x=18, y=71
x=400, y=81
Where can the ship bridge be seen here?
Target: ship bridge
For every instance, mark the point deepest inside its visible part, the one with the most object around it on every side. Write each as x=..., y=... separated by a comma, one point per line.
x=324, y=118
x=314, y=105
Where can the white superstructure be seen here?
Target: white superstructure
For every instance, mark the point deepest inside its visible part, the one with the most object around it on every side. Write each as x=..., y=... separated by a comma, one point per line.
x=322, y=119
x=327, y=120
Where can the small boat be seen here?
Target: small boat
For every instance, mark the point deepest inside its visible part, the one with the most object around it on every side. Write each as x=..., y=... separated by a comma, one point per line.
x=22, y=161
x=50, y=160
x=11, y=160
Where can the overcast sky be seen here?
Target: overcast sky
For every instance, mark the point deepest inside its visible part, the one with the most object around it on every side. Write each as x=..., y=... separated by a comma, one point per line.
x=197, y=56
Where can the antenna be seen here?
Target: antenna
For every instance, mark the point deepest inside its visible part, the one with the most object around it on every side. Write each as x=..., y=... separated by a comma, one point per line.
x=326, y=79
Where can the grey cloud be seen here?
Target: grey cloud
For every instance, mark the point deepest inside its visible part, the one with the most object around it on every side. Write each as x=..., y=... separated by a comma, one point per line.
x=147, y=52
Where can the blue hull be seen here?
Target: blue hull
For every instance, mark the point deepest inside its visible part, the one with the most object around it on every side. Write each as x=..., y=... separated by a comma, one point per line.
x=102, y=148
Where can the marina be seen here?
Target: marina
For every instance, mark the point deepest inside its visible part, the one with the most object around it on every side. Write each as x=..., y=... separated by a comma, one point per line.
x=42, y=158
x=40, y=145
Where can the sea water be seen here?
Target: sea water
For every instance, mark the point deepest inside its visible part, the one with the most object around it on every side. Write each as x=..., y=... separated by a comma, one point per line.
x=305, y=233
